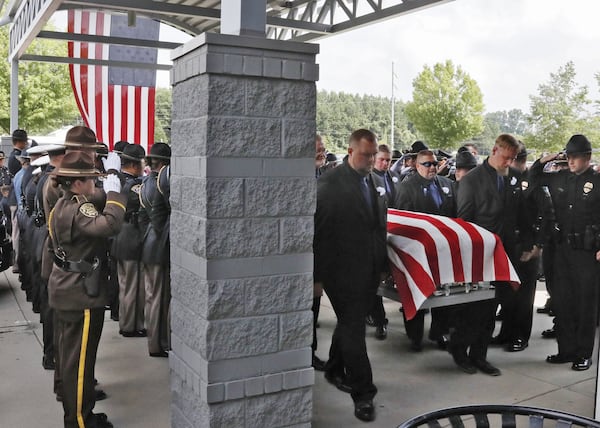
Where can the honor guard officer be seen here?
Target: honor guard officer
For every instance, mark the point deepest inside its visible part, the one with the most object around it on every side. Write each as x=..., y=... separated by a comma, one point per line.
x=79, y=235
x=155, y=256
x=127, y=247
x=575, y=197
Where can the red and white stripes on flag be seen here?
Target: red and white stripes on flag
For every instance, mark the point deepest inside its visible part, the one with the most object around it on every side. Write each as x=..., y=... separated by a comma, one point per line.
x=426, y=251
x=117, y=103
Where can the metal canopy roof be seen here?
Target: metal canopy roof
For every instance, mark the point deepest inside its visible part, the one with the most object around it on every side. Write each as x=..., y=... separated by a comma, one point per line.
x=297, y=20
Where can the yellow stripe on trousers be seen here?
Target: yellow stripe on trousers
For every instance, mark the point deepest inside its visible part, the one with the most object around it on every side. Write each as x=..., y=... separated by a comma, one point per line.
x=81, y=372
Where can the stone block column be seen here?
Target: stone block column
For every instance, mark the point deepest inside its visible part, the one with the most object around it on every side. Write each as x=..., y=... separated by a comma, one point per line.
x=243, y=198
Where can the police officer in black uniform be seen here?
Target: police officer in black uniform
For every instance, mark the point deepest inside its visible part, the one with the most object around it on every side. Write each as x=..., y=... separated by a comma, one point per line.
x=576, y=198
x=155, y=256
x=127, y=247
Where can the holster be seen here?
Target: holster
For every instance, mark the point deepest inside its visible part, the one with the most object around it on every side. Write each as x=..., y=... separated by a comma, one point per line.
x=90, y=272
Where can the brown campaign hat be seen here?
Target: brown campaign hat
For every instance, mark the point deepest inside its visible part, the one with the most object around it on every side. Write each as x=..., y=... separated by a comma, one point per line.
x=77, y=164
x=81, y=137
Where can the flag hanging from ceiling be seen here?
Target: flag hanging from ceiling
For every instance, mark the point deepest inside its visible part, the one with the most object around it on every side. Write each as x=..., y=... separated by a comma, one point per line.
x=426, y=251
x=117, y=103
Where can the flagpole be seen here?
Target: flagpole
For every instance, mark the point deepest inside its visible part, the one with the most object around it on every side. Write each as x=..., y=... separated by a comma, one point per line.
x=392, y=127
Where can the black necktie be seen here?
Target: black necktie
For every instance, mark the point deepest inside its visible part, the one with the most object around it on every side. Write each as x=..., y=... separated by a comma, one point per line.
x=500, y=184
x=366, y=190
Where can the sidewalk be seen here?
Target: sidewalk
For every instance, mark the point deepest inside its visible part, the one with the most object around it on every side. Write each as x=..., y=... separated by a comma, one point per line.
x=409, y=383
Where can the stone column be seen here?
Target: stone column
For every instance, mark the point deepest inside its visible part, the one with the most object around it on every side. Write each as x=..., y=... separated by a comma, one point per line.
x=243, y=199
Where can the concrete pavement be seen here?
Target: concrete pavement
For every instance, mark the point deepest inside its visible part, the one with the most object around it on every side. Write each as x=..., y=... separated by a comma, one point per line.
x=409, y=383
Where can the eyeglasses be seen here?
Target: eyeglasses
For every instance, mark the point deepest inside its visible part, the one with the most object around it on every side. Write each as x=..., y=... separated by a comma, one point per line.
x=429, y=164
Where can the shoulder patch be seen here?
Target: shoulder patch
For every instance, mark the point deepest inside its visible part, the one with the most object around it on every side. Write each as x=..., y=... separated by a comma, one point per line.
x=89, y=210
x=136, y=188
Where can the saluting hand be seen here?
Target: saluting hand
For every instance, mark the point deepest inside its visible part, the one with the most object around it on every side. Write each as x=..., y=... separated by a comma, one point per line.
x=549, y=158
x=598, y=256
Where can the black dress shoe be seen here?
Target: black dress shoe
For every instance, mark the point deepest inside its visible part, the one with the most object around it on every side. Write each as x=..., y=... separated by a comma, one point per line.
x=462, y=361
x=559, y=359
x=581, y=364
x=499, y=340
x=48, y=363
x=517, y=346
x=443, y=342
x=364, y=410
x=161, y=354
x=549, y=333
x=370, y=321
x=318, y=364
x=100, y=395
x=136, y=333
x=381, y=332
x=339, y=382
x=416, y=346
x=486, y=367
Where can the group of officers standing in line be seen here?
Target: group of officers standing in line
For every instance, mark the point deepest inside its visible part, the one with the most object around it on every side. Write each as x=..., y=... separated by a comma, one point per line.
x=91, y=233
x=529, y=209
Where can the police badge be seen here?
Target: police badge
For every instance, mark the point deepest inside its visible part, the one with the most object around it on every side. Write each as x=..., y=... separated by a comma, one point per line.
x=587, y=187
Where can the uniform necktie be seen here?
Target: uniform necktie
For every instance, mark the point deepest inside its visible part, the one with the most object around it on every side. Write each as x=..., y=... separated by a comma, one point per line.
x=435, y=194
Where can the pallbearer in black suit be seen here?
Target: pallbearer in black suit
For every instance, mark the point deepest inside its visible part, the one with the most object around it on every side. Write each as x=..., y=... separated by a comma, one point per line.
x=428, y=193
x=350, y=256
x=390, y=181
x=491, y=197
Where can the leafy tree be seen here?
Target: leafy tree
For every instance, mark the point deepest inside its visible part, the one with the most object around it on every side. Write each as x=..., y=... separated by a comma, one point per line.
x=162, y=124
x=339, y=113
x=46, y=100
x=447, y=105
x=558, y=111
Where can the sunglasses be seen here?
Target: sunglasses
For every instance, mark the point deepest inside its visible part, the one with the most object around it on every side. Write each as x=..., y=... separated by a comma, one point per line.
x=429, y=164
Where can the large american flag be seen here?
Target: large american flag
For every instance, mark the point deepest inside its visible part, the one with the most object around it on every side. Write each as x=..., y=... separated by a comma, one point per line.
x=426, y=251
x=117, y=103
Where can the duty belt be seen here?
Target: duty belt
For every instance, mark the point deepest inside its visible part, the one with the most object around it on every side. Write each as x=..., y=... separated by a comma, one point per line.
x=81, y=266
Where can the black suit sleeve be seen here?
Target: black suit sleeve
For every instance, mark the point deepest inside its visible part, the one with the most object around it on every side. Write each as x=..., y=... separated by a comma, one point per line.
x=323, y=243
x=465, y=200
x=404, y=199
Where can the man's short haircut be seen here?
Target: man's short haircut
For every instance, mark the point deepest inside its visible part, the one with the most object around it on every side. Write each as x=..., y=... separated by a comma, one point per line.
x=507, y=141
x=360, y=134
x=424, y=153
x=384, y=148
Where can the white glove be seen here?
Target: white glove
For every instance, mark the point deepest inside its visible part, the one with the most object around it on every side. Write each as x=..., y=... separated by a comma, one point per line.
x=111, y=183
x=112, y=161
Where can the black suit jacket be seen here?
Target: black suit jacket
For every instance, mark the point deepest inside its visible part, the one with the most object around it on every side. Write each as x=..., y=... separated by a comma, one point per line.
x=414, y=195
x=350, y=240
x=479, y=201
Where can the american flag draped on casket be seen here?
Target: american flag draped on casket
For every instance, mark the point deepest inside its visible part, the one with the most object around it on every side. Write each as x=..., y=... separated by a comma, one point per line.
x=426, y=251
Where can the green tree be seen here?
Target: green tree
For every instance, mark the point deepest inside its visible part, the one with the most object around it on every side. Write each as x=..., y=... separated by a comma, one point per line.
x=46, y=100
x=162, y=123
x=447, y=105
x=339, y=113
x=558, y=111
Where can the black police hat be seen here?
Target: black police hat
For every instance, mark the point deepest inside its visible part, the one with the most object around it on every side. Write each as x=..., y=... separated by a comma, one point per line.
x=440, y=154
x=465, y=159
x=396, y=154
x=119, y=146
x=19, y=135
x=416, y=147
x=160, y=151
x=578, y=144
x=133, y=152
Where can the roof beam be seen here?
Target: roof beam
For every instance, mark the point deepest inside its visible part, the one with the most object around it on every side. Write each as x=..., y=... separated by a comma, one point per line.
x=28, y=21
x=111, y=40
x=144, y=7
x=87, y=61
